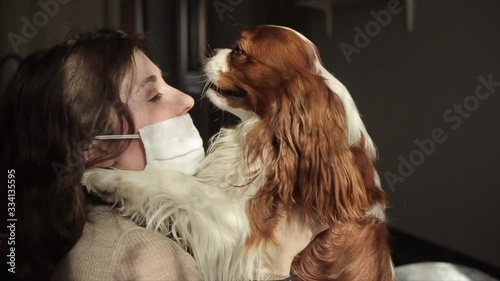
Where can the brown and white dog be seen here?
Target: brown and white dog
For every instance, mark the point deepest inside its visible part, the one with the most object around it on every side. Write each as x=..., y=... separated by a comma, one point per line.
x=301, y=144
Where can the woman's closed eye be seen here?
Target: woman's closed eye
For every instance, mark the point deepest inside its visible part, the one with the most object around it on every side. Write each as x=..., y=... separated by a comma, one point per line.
x=156, y=98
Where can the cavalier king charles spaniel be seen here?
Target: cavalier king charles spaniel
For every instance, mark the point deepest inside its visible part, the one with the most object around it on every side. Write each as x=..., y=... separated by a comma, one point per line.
x=301, y=143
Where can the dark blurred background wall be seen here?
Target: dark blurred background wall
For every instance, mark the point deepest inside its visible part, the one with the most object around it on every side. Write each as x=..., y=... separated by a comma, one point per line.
x=414, y=76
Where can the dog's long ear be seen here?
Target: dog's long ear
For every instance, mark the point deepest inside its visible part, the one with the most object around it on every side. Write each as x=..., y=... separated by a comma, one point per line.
x=310, y=163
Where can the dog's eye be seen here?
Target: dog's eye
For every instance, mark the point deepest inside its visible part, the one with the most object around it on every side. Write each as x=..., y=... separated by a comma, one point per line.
x=237, y=51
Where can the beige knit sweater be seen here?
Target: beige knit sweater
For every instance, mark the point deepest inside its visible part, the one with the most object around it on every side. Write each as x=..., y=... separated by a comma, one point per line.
x=114, y=248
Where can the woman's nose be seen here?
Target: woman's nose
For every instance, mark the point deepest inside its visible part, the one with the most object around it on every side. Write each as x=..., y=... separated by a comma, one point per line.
x=184, y=103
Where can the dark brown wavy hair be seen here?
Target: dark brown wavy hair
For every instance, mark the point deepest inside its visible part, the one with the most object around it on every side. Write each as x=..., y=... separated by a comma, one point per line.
x=57, y=102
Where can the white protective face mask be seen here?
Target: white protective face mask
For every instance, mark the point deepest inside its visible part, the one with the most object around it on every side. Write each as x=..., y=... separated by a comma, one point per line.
x=173, y=144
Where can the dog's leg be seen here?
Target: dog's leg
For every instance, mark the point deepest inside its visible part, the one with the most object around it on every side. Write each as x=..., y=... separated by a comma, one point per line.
x=135, y=188
x=350, y=252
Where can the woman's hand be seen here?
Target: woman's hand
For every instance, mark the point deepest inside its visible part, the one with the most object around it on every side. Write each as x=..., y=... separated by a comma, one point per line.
x=293, y=234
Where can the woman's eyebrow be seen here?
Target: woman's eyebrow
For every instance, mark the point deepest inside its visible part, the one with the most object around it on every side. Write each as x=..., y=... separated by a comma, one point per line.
x=149, y=79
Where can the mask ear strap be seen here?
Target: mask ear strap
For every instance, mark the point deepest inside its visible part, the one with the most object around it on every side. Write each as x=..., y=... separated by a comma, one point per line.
x=117, y=137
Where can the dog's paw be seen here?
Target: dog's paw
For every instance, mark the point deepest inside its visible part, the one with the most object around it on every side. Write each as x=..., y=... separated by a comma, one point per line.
x=103, y=183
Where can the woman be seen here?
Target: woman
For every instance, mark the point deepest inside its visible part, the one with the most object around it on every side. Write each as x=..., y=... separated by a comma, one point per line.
x=58, y=101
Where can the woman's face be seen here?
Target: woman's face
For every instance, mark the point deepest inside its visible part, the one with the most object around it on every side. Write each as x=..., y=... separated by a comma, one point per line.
x=151, y=101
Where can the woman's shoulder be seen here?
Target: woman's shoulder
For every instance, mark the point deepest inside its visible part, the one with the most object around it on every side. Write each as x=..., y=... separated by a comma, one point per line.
x=113, y=230
x=116, y=248
x=104, y=223
x=148, y=255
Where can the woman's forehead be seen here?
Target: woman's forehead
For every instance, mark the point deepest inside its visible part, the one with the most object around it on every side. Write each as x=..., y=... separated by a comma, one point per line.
x=142, y=63
x=143, y=71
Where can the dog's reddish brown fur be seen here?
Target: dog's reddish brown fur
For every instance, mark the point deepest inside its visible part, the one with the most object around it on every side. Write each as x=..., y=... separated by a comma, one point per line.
x=303, y=139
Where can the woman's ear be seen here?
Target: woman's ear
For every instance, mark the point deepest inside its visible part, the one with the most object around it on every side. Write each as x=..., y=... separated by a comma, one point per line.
x=93, y=152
